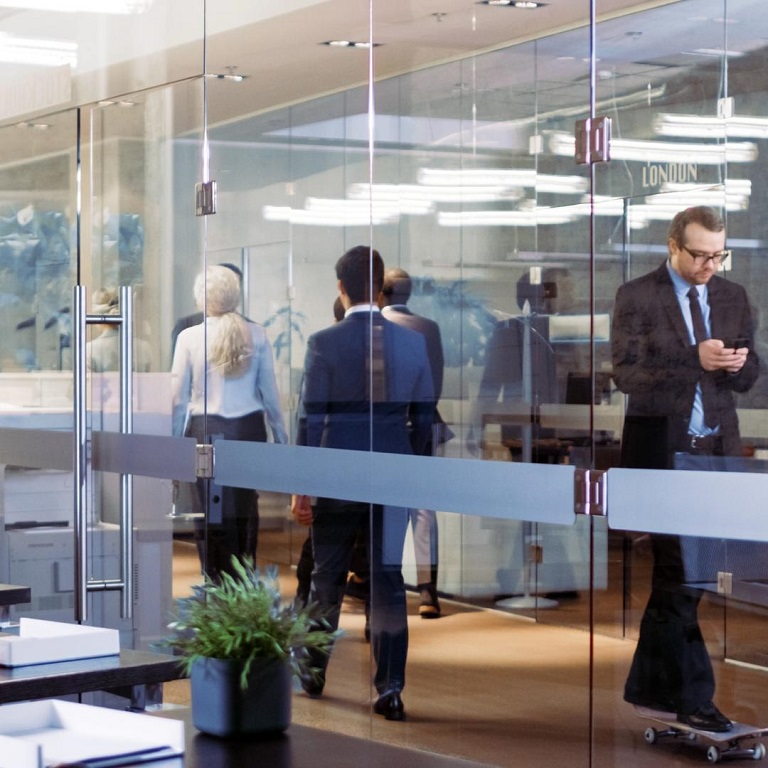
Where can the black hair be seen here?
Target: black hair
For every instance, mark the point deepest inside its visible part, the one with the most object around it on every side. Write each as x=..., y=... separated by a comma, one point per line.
x=361, y=272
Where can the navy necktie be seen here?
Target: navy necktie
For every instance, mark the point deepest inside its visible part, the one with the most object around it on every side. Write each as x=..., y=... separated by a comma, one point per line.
x=708, y=387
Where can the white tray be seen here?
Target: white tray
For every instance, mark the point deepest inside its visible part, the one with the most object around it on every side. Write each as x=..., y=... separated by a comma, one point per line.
x=41, y=642
x=39, y=734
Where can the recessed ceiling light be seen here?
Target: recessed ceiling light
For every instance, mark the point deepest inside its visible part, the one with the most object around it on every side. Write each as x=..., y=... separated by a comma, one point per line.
x=514, y=3
x=232, y=78
x=232, y=75
x=34, y=126
x=350, y=44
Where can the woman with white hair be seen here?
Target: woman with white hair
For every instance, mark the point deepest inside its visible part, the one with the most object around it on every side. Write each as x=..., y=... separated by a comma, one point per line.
x=103, y=351
x=224, y=385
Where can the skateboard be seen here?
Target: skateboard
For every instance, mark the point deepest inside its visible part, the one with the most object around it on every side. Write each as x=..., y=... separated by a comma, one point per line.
x=720, y=746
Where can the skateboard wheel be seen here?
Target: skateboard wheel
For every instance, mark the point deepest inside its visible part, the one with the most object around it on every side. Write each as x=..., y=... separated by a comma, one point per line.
x=650, y=735
x=759, y=752
x=713, y=754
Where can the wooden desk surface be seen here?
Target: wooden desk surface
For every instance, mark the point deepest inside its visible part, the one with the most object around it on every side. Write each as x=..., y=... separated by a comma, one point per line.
x=39, y=681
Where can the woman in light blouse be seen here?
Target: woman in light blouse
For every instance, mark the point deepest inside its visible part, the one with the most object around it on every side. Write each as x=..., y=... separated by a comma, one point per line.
x=224, y=385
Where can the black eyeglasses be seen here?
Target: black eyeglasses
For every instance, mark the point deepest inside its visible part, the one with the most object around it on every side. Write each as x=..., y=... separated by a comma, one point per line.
x=700, y=257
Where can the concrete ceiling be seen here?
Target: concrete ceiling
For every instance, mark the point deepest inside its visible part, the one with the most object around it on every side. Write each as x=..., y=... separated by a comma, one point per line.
x=286, y=62
x=282, y=55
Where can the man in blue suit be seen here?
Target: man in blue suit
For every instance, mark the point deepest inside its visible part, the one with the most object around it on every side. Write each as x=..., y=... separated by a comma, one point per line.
x=367, y=387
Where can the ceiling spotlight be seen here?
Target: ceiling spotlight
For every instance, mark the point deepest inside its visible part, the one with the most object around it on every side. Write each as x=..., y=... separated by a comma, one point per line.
x=231, y=74
x=529, y=4
x=350, y=44
x=231, y=78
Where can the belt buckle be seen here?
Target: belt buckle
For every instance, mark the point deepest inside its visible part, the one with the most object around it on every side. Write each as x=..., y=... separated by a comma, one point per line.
x=698, y=442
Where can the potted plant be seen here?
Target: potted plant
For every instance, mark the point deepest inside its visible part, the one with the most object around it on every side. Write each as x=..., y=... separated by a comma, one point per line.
x=241, y=646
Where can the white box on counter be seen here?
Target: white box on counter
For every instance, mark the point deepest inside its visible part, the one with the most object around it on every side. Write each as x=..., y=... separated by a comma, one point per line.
x=37, y=734
x=43, y=642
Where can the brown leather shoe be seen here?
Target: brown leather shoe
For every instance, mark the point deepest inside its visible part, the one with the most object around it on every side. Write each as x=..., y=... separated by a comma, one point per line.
x=430, y=611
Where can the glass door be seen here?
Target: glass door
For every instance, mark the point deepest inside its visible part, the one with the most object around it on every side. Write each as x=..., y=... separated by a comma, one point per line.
x=137, y=243
x=39, y=258
x=87, y=455
x=684, y=541
x=466, y=189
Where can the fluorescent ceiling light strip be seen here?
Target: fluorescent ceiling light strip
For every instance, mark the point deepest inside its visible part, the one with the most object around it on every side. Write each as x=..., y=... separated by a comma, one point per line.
x=432, y=194
x=702, y=126
x=685, y=199
x=729, y=186
x=506, y=177
x=380, y=207
x=505, y=218
x=324, y=218
x=43, y=53
x=81, y=6
x=564, y=144
x=639, y=215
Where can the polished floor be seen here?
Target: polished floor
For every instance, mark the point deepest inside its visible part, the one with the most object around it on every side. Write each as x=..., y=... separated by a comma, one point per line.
x=501, y=689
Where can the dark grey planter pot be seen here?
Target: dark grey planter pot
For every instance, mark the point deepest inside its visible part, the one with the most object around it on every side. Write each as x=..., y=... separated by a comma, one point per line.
x=221, y=708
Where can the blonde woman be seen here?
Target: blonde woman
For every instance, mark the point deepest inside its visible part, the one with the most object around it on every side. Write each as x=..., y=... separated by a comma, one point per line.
x=224, y=384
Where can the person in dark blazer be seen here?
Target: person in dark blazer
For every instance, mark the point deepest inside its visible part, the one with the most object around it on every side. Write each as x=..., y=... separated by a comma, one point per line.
x=680, y=355
x=393, y=302
x=502, y=383
x=367, y=387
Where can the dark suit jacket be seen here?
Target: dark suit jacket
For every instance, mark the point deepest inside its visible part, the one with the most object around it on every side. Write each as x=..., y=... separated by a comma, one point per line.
x=430, y=330
x=655, y=363
x=503, y=372
x=338, y=410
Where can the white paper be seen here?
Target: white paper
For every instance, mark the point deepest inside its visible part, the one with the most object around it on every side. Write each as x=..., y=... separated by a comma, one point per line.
x=42, y=642
x=43, y=733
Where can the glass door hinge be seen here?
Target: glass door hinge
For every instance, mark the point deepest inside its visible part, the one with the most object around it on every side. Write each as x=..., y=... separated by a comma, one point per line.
x=593, y=140
x=204, y=461
x=724, y=583
x=590, y=492
x=205, y=198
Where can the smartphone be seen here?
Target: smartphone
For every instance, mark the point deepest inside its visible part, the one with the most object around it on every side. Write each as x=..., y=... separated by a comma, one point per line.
x=738, y=343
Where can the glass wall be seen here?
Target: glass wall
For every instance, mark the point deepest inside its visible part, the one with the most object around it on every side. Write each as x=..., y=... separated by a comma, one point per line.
x=451, y=147
x=684, y=538
x=87, y=165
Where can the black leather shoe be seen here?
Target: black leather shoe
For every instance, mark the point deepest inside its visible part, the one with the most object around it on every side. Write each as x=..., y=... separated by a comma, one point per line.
x=313, y=686
x=707, y=718
x=390, y=705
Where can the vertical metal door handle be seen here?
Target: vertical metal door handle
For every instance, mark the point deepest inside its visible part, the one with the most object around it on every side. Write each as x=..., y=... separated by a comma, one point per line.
x=125, y=582
x=80, y=458
x=126, y=428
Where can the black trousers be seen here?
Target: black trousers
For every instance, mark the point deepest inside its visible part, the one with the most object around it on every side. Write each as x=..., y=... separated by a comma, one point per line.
x=671, y=668
x=238, y=531
x=335, y=530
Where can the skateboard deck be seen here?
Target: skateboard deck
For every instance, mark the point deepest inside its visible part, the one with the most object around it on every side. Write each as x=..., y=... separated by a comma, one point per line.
x=721, y=746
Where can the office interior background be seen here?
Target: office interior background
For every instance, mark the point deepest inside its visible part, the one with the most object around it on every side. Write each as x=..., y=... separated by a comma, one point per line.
x=450, y=145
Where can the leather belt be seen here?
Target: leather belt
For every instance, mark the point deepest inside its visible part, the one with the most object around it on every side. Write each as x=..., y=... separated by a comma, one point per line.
x=711, y=445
